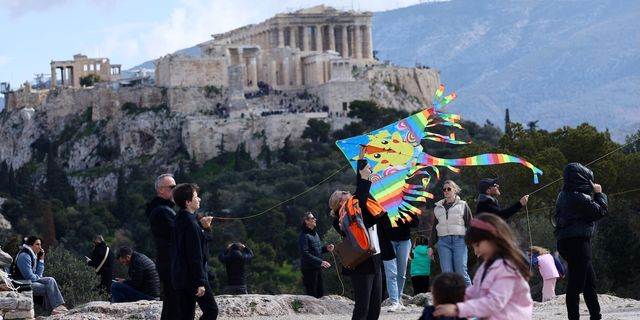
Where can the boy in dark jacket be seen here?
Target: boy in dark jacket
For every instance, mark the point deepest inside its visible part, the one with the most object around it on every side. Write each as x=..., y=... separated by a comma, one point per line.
x=579, y=205
x=189, y=256
x=235, y=258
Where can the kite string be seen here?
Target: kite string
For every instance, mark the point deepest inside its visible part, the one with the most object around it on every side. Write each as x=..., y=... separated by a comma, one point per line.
x=335, y=263
x=285, y=201
x=588, y=164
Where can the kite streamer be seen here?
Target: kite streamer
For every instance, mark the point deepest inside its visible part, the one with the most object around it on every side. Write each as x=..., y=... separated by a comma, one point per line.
x=401, y=168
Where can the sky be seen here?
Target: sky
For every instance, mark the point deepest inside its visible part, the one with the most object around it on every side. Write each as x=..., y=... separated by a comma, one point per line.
x=130, y=32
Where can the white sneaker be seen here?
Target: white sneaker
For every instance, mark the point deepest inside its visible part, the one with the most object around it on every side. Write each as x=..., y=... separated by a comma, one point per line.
x=394, y=308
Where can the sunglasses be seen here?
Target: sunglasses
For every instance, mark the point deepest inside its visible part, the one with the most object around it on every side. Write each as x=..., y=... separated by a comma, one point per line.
x=170, y=187
x=446, y=189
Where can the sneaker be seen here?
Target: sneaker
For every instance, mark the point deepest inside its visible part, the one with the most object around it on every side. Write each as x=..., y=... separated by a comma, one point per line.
x=394, y=308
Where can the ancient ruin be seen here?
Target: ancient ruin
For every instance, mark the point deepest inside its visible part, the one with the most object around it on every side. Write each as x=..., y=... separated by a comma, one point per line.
x=71, y=71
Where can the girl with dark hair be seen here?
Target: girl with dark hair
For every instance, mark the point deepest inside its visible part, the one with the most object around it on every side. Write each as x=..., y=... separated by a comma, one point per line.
x=500, y=289
x=420, y=266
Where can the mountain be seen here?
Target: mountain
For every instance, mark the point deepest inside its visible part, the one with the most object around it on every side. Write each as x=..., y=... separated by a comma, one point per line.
x=556, y=62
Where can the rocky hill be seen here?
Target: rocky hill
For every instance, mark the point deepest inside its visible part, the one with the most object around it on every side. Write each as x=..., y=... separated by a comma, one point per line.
x=556, y=62
x=290, y=307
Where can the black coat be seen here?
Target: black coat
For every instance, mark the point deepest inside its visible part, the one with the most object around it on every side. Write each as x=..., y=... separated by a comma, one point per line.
x=106, y=270
x=576, y=210
x=235, y=261
x=188, y=256
x=311, y=249
x=162, y=221
x=143, y=275
x=488, y=204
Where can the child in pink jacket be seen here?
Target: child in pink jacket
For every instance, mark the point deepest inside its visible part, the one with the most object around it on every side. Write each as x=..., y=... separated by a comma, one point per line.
x=550, y=270
x=500, y=289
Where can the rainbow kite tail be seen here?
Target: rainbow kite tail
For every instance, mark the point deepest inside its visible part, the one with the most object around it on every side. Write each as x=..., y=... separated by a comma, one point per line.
x=480, y=160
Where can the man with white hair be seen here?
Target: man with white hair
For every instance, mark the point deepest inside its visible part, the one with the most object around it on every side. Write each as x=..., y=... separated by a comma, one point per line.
x=162, y=221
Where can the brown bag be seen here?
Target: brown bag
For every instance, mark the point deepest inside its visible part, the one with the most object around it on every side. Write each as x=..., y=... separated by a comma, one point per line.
x=351, y=255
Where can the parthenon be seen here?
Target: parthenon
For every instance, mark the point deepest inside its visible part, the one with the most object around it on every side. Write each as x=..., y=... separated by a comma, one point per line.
x=295, y=50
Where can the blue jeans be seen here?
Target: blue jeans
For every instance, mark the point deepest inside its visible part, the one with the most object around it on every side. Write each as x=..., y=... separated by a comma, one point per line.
x=453, y=256
x=48, y=288
x=122, y=292
x=396, y=269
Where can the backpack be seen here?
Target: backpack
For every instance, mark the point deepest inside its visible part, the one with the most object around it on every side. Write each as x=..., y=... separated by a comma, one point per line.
x=14, y=271
x=356, y=246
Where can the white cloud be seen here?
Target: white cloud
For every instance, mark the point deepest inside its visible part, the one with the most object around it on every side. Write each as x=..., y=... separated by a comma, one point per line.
x=4, y=60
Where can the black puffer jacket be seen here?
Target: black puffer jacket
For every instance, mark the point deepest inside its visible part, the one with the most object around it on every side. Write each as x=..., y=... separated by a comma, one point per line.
x=143, y=275
x=576, y=210
x=311, y=249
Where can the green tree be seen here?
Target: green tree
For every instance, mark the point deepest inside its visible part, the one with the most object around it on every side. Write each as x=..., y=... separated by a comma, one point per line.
x=89, y=80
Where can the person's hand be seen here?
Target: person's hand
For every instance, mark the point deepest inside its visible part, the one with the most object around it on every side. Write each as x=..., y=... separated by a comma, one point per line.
x=200, y=291
x=596, y=187
x=446, y=310
x=121, y=280
x=363, y=150
x=325, y=264
x=242, y=246
x=366, y=172
x=330, y=247
x=206, y=222
x=430, y=253
x=41, y=254
x=524, y=200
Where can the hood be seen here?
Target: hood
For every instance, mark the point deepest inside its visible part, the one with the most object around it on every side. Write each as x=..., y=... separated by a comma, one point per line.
x=157, y=201
x=577, y=178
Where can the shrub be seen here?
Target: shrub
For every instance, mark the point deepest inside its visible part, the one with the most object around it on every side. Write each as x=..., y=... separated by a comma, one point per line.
x=77, y=281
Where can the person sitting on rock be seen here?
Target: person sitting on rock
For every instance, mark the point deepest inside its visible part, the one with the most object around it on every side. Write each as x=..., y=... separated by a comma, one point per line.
x=144, y=283
x=29, y=265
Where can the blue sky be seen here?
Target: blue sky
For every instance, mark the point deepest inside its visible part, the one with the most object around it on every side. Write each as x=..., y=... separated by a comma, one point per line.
x=129, y=32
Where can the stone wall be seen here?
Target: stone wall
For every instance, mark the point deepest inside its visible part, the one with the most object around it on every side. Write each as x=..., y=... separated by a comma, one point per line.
x=203, y=136
x=338, y=94
x=177, y=71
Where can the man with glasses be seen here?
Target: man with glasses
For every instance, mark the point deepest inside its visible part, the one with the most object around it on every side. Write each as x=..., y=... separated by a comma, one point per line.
x=489, y=191
x=311, y=251
x=162, y=221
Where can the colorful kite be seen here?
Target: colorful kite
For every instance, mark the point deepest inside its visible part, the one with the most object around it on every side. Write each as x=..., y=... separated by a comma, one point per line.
x=399, y=164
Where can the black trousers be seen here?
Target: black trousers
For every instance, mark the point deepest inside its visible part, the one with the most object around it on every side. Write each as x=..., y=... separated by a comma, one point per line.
x=420, y=284
x=581, y=277
x=367, y=293
x=169, y=295
x=312, y=280
x=187, y=300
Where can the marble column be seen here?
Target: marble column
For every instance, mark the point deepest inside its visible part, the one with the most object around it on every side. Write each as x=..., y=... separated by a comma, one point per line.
x=292, y=37
x=368, y=48
x=318, y=34
x=285, y=72
x=358, y=42
x=280, y=37
x=344, y=47
x=253, y=72
x=306, y=45
x=332, y=37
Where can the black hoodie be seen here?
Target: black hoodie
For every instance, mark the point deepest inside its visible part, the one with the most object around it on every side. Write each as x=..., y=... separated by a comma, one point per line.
x=576, y=210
